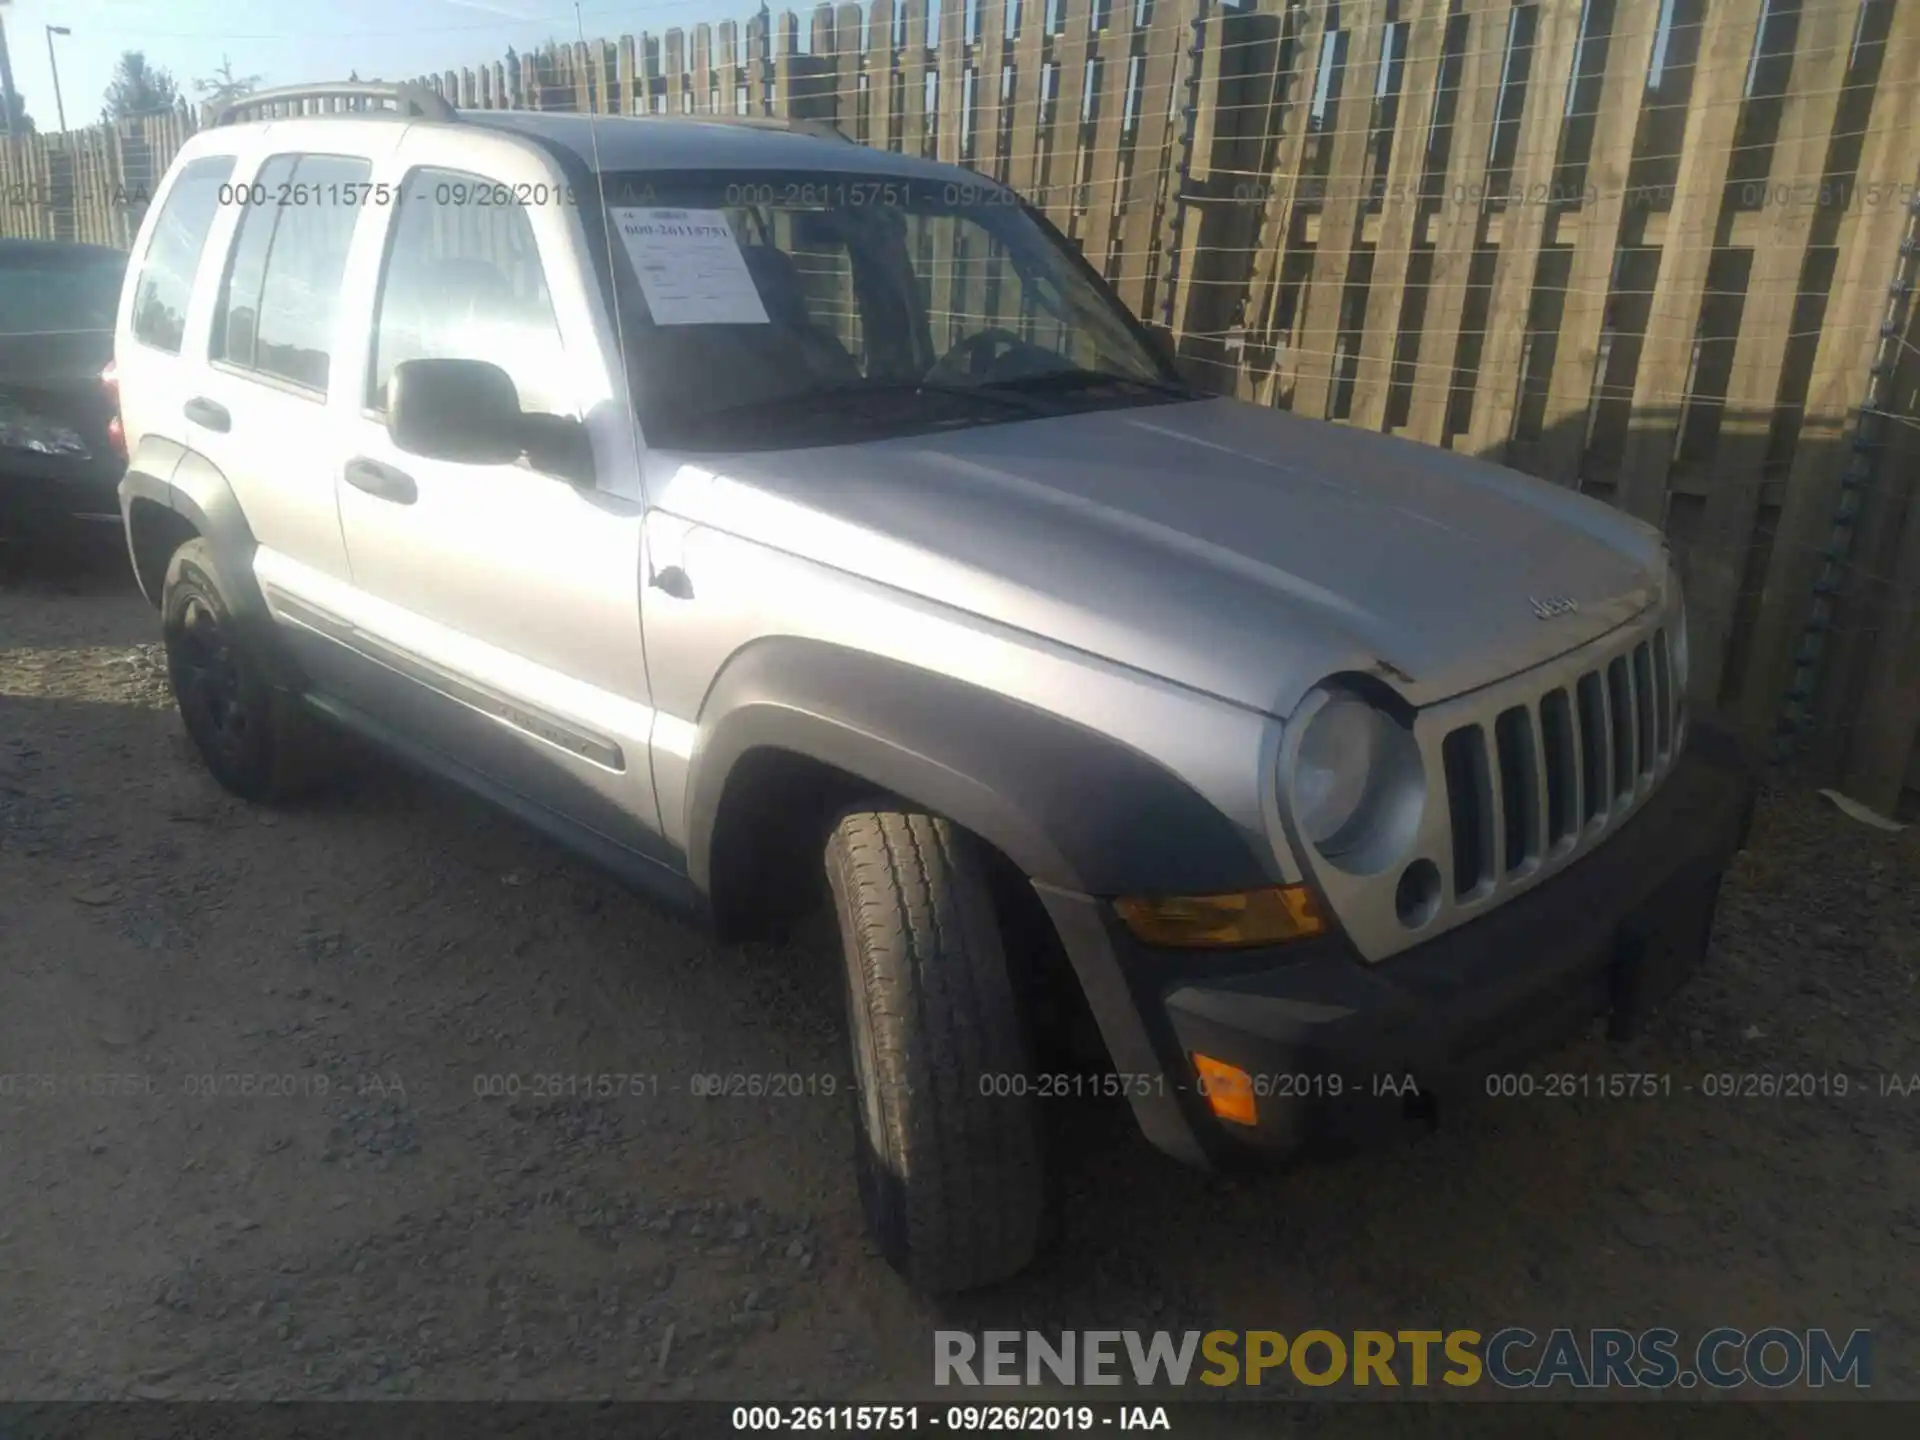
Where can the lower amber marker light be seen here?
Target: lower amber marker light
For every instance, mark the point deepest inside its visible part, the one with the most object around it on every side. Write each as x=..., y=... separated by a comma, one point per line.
x=1228, y=1088
x=1269, y=916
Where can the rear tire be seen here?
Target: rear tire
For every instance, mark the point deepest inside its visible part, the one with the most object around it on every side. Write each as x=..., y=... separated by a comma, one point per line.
x=950, y=1169
x=254, y=737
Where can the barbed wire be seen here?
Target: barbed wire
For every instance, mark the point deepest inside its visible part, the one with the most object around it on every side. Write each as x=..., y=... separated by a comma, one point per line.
x=1063, y=143
x=1497, y=85
x=1133, y=92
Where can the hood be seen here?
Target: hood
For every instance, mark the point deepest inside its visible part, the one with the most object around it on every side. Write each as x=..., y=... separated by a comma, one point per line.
x=1241, y=551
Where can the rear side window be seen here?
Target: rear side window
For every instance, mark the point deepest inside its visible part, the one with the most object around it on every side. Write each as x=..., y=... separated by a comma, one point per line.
x=281, y=292
x=179, y=235
x=236, y=317
x=463, y=281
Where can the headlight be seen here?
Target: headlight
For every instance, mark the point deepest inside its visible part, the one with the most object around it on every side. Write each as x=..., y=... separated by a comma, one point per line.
x=1331, y=771
x=1679, y=644
x=1357, y=784
x=1679, y=654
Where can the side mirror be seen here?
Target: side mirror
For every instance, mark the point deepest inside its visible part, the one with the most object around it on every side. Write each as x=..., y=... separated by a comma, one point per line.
x=1169, y=349
x=466, y=411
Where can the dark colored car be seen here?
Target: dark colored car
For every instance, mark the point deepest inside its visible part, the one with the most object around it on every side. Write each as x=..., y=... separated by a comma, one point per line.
x=61, y=448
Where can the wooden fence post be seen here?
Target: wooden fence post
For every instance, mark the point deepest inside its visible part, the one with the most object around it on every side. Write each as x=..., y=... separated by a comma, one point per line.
x=1849, y=325
x=883, y=70
x=1102, y=183
x=1402, y=214
x=1028, y=99
x=1713, y=111
x=1884, y=754
x=1523, y=220
x=1274, y=236
x=1717, y=566
x=1349, y=121
x=1150, y=172
x=1583, y=314
x=915, y=64
x=1461, y=220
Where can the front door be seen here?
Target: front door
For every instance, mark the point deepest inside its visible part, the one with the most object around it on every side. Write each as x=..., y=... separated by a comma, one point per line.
x=499, y=604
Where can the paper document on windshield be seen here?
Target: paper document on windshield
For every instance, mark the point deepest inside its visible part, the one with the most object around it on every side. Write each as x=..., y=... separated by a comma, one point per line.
x=690, y=266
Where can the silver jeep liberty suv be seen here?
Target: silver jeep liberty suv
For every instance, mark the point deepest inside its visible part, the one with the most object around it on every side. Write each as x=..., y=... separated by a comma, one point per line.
x=787, y=524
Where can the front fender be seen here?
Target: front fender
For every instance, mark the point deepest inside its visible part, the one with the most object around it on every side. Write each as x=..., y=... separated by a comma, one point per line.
x=1070, y=806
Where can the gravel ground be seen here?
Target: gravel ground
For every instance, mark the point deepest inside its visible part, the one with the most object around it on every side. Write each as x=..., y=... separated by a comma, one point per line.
x=362, y=1223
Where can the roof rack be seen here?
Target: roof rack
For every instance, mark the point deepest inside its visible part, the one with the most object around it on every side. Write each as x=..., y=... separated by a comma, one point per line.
x=404, y=101
x=819, y=129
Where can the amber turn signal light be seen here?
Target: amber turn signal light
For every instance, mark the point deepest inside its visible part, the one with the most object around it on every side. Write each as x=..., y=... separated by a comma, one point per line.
x=1246, y=917
x=1228, y=1088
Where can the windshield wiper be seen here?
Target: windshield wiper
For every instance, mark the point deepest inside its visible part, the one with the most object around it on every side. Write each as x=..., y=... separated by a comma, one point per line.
x=824, y=400
x=1063, y=380
x=990, y=393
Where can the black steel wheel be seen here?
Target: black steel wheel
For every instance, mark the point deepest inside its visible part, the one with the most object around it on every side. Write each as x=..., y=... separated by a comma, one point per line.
x=253, y=736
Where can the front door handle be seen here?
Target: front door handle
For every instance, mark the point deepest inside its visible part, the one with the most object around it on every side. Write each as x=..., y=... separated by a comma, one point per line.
x=208, y=413
x=382, y=480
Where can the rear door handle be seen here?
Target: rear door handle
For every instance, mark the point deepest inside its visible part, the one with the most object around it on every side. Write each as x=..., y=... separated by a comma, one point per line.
x=382, y=480
x=208, y=413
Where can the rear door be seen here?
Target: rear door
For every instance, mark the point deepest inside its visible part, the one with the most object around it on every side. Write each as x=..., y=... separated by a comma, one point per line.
x=502, y=603
x=158, y=350
x=260, y=407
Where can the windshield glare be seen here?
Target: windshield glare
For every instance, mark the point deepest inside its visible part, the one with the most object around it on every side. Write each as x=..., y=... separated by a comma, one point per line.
x=806, y=308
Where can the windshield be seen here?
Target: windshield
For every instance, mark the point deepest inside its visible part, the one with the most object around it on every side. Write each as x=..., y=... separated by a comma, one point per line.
x=59, y=291
x=773, y=309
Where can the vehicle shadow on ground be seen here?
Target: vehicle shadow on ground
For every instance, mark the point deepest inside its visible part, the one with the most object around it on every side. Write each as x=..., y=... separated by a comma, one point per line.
x=66, y=584
x=69, y=557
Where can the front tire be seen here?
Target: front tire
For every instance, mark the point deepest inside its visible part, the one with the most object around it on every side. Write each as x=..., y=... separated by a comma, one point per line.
x=253, y=736
x=949, y=1166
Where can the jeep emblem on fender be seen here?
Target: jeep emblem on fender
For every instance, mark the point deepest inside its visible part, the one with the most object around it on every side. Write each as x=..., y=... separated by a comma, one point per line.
x=1555, y=605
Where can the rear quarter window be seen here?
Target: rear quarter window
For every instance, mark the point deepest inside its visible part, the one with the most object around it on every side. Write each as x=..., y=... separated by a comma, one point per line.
x=299, y=285
x=173, y=254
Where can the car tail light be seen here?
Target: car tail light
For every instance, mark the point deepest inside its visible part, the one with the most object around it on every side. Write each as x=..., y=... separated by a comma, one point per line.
x=116, y=432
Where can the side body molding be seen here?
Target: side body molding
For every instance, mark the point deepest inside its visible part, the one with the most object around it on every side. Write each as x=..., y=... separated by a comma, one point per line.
x=1070, y=806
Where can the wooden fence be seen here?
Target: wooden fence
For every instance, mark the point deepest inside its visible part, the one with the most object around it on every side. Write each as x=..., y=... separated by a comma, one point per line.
x=1659, y=250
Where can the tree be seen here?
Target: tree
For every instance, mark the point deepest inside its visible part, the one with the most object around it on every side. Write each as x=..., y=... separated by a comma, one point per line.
x=22, y=121
x=139, y=88
x=224, y=87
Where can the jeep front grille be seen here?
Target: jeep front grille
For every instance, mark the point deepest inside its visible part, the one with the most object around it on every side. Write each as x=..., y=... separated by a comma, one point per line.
x=1543, y=772
x=1523, y=778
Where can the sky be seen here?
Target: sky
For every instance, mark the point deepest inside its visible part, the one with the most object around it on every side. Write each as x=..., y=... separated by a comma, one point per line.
x=288, y=43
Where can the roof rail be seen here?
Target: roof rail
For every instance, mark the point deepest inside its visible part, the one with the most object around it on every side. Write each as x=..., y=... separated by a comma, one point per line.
x=819, y=129
x=406, y=101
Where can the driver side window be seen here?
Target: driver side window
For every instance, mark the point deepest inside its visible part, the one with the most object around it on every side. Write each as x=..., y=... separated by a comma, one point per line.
x=463, y=281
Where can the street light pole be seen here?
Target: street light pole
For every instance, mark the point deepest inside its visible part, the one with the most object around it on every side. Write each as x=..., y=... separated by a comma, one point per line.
x=54, y=65
x=8, y=102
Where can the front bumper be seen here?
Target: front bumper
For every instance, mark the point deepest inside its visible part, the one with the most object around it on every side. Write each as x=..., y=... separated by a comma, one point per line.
x=1344, y=1051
